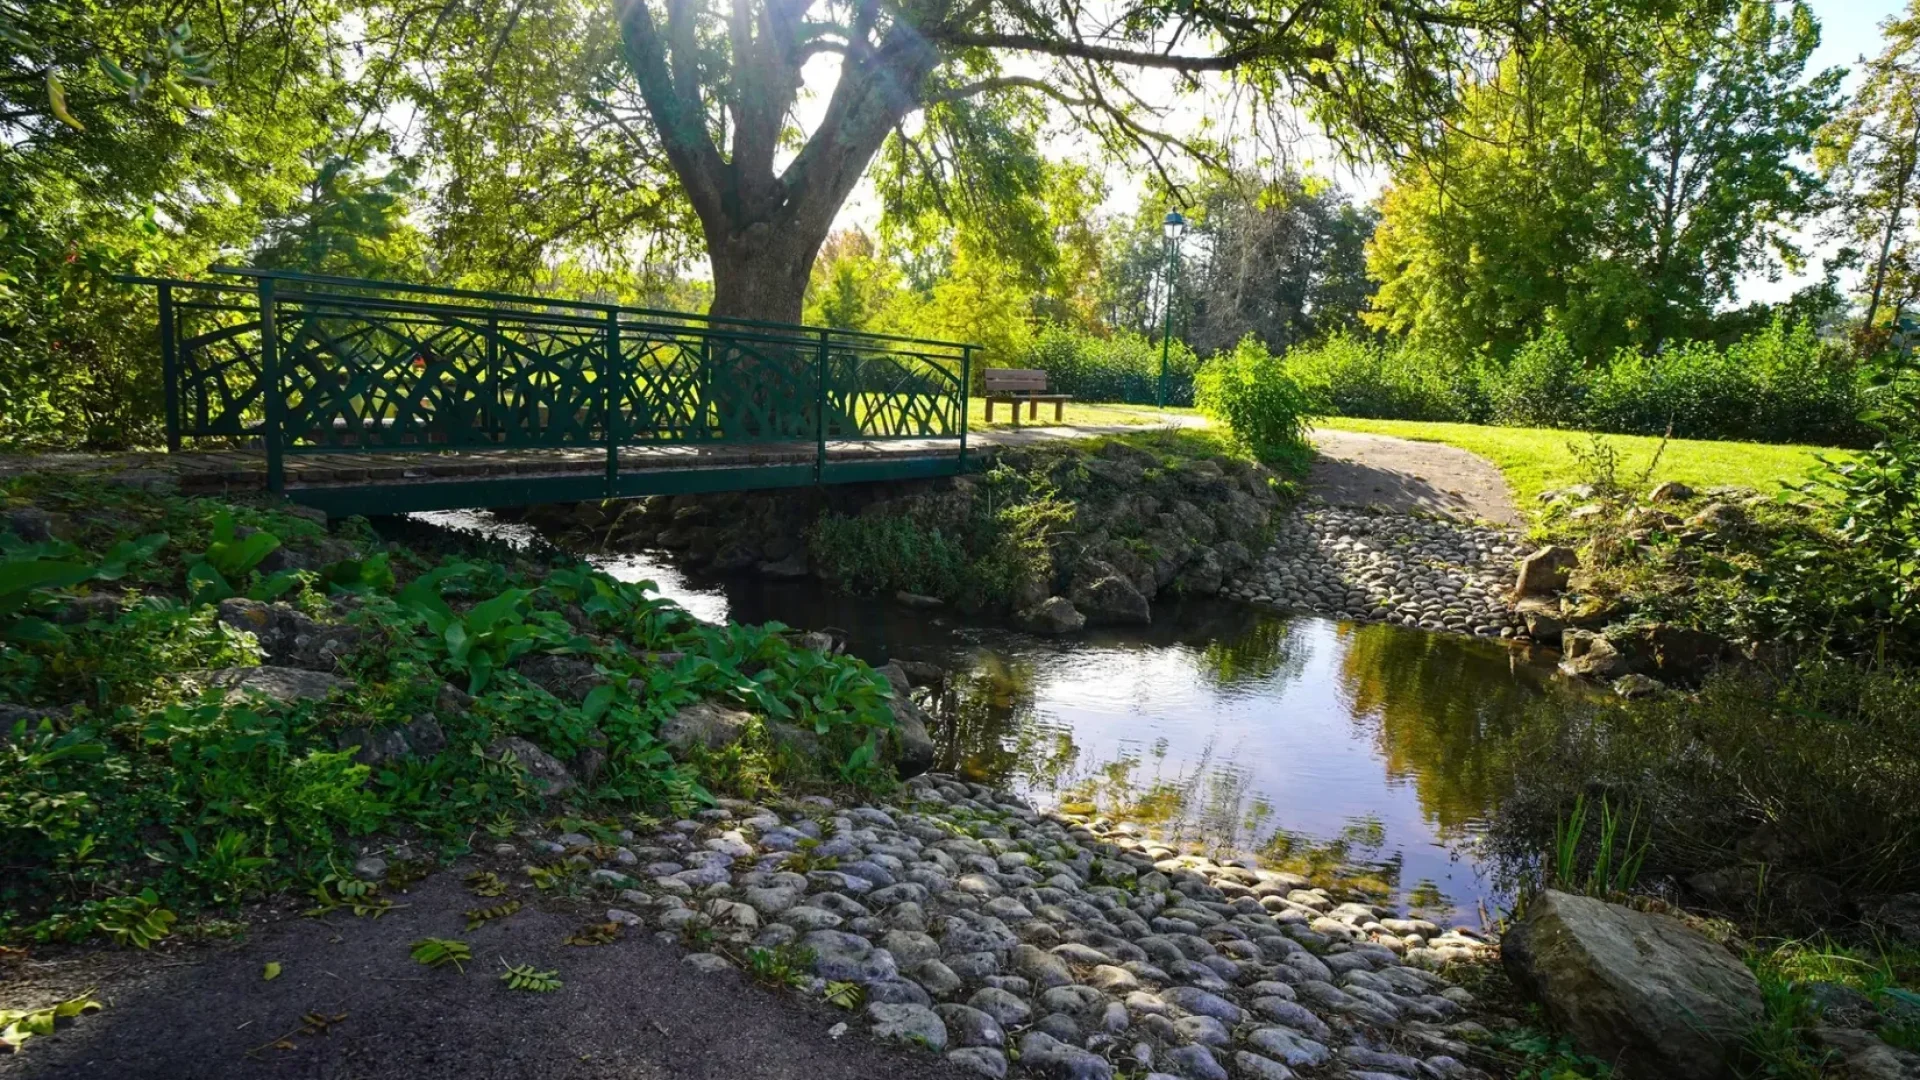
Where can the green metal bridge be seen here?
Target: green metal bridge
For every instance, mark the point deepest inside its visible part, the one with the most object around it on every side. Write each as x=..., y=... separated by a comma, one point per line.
x=371, y=397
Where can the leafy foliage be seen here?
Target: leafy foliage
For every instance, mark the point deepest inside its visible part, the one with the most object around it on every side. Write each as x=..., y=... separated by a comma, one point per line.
x=524, y=977
x=436, y=952
x=1250, y=391
x=137, y=920
x=18, y=1025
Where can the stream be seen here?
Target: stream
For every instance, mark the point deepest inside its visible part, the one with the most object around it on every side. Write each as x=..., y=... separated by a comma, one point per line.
x=1367, y=753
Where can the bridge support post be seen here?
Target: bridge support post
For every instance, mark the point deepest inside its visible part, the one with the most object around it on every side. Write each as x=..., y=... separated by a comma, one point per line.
x=170, y=367
x=820, y=411
x=270, y=388
x=610, y=400
x=966, y=388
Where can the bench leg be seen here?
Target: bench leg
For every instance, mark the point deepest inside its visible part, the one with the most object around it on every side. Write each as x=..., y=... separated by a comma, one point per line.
x=1033, y=410
x=989, y=410
x=1057, y=406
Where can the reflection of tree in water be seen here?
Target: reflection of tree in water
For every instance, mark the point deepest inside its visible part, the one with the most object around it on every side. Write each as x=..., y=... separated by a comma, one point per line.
x=989, y=730
x=1446, y=713
x=1259, y=646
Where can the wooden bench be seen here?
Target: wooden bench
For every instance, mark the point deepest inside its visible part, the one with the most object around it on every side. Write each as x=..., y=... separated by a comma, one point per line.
x=1015, y=385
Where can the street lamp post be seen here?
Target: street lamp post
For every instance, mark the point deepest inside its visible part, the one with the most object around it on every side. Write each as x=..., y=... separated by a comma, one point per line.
x=1173, y=227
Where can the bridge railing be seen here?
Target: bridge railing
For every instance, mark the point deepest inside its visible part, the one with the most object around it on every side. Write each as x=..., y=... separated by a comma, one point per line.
x=301, y=363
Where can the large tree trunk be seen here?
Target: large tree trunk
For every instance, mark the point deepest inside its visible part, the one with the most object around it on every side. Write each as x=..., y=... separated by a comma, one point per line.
x=760, y=271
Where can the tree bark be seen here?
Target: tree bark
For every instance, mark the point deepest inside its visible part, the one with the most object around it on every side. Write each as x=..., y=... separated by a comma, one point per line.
x=760, y=270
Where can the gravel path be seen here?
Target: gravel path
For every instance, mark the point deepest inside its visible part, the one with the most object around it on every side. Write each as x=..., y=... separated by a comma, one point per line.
x=1380, y=471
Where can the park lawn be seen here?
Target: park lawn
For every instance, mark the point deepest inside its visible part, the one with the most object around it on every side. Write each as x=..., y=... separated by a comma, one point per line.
x=1076, y=414
x=1538, y=459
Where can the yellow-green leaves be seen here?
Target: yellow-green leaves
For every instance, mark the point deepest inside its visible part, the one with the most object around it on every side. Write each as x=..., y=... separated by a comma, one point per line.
x=57, y=101
x=271, y=971
x=17, y=1025
x=523, y=977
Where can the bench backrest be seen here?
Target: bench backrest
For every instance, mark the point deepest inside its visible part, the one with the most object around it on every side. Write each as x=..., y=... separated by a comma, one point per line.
x=1016, y=380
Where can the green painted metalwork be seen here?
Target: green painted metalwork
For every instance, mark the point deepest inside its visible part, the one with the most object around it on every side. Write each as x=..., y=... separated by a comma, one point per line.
x=301, y=364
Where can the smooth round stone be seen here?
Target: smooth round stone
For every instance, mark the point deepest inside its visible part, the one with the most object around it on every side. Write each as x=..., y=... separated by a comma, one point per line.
x=1046, y=1056
x=1113, y=980
x=910, y=949
x=1255, y=1067
x=987, y=1062
x=1289, y=1047
x=907, y=1024
x=968, y=1026
x=1071, y=999
x=1201, y=1003
x=708, y=963
x=1060, y=1026
x=898, y=992
x=1195, y=1063
x=1204, y=1030
x=1005, y=1008
x=938, y=979
x=809, y=918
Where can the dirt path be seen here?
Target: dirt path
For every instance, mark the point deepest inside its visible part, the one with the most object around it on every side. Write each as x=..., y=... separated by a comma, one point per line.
x=1356, y=469
x=630, y=1010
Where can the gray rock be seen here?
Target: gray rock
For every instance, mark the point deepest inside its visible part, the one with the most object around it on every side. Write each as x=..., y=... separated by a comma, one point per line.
x=1545, y=571
x=1201, y=1003
x=375, y=746
x=370, y=868
x=1255, y=1067
x=987, y=1062
x=968, y=1026
x=1053, y=616
x=1289, y=1046
x=1293, y=1015
x=1006, y=1008
x=910, y=949
x=275, y=685
x=1047, y=1057
x=1103, y=595
x=1195, y=1063
x=1044, y=968
x=938, y=979
x=841, y=957
x=1641, y=990
x=915, y=1024
x=706, y=725
x=707, y=963
x=544, y=772
x=1204, y=1030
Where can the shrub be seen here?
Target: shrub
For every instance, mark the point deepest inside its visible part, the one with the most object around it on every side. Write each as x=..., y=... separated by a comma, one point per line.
x=1812, y=770
x=1543, y=385
x=1352, y=376
x=1250, y=391
x=1123, y=368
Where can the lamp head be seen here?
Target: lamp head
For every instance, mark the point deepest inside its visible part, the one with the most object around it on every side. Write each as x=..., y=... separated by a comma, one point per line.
x=1173, y=225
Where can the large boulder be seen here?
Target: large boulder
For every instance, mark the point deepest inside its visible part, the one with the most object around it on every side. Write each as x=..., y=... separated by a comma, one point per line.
x=1645, y=992
x=1104, y=595
x=544, y=772
x=1053, y=616
x=704, y=724
x=289, y=637
x=279, y=685
x=910, y=747
x=1545, y=571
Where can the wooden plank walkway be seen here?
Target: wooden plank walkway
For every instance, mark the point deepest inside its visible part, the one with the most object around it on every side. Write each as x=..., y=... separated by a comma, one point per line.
x=402, y=481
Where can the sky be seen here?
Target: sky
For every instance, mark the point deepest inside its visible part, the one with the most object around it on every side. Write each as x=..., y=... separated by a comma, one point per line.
x=1849, y=29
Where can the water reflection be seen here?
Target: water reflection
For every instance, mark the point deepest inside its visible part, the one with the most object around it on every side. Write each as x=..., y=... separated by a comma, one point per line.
x=1370, y=754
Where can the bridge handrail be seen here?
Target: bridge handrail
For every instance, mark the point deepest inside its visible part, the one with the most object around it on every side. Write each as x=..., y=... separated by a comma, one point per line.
x=547, y=301
x=838, y=362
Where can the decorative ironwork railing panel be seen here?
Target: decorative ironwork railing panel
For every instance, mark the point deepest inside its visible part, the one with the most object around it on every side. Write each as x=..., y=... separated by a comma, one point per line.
x=357, y=365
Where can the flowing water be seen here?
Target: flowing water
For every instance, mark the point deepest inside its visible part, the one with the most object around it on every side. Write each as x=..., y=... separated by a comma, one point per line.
x=1370, y=753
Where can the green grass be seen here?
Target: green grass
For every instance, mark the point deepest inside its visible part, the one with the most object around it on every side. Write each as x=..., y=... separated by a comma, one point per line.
x=1537, y=459
x=1076, y=414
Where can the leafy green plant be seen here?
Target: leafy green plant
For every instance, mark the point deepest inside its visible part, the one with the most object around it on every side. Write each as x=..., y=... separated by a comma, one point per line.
x=1616, y=858
x=1250, y=391
x=137, y=920
x=232, y=558
x=524, y=977
x=782, y=965
x=436, y=952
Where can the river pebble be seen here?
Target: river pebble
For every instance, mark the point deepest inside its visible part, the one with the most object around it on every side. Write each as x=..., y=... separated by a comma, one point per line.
x=1004, y=927
x=1368, y=566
